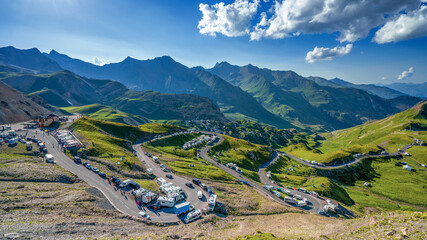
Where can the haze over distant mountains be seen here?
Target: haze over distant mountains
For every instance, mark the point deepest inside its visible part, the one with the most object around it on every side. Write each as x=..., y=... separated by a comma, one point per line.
x=280, y=98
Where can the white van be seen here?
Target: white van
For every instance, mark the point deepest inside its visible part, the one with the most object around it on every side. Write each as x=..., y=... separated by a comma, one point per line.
x=199, y=194
x=49, y=158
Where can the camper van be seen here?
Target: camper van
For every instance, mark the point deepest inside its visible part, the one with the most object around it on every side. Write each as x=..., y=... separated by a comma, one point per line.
x=49, y=158
x=192, y=216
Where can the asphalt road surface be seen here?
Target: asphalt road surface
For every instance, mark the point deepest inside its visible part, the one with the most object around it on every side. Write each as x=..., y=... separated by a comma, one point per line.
x=315, y=202
x=347, y=164
x=123, y=201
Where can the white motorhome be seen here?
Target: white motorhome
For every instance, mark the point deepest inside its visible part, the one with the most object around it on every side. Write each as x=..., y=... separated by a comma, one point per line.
x=290, y=200
x=161, y=181
x=165, y=186
x=49, y=158
x=139, y=193
x=192, y=216
x=302, y=203
x=166, y=202
x=176, y=197
x=148, y=197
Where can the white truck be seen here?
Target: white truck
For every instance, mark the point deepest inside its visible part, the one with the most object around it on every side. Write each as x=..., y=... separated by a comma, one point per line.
x=301, y=203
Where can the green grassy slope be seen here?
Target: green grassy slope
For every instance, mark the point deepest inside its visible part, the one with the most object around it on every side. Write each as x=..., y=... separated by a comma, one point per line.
x=111, y=140
x=393, y=188
x=51, y=97
x=390, y=134
x=246, y=155
x=102, y=112
x=184, y=162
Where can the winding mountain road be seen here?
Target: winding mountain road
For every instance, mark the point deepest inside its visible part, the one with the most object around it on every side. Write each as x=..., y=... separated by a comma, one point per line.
x=315, y=203
x=343, y=165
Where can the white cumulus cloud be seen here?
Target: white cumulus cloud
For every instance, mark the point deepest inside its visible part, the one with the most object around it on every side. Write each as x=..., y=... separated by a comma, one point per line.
x=98, y=61
x=322, y=53
x=351, y=19
x=405, y=74
x=404, y=27
x=230, y=20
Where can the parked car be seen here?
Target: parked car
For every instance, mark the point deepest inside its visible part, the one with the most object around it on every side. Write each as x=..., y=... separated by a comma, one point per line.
x=143, y=215
x=77, y=159
x=204, y=186
x=169, y=176
x=134, y=185
x=95, y=170
x=189, y=185
x=115, y=180
x=196, y=181
x=102, y=174
x=88, y=166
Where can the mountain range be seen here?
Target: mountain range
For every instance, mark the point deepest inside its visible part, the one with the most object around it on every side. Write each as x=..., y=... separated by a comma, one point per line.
x=162, y=88
x=413, y=89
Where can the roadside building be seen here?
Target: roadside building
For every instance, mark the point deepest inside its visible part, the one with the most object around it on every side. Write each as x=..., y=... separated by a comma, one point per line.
x=46, y=120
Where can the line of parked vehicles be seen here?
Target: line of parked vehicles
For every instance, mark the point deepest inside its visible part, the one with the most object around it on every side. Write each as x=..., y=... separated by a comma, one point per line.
x=294, y=199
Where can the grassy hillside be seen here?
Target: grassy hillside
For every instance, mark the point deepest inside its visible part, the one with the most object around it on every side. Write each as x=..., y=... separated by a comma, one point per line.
x=389, y=134
x=184, y=162
x=51, y=97
x=393, y=188
x=111, y=140
x=246, y=155
x=102, y=112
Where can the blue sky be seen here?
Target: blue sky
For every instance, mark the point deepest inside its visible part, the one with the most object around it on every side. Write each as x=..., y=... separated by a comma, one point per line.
x=113, y=30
